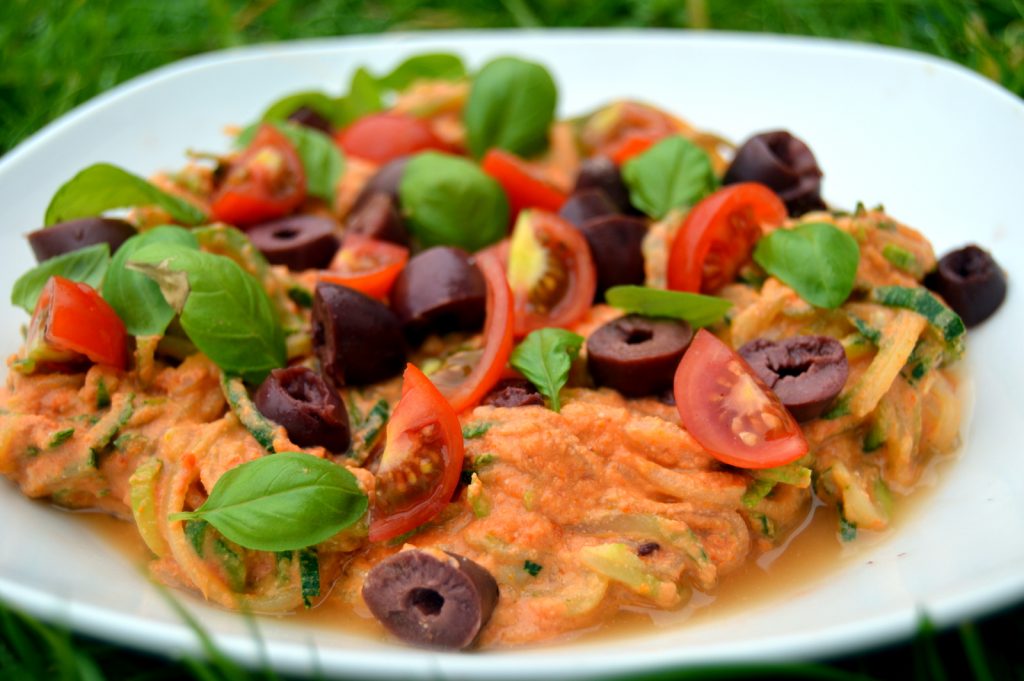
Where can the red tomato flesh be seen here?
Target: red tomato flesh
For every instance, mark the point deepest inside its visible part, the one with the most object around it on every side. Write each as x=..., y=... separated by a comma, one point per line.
x=523, y=184
x=384, y=137
x=72, y=319
x=367, y=265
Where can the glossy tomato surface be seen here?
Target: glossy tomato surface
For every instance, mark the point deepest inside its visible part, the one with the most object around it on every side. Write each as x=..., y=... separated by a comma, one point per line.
x=523, y=184
x=74, y=318
x=367, y=265
x=384, y=137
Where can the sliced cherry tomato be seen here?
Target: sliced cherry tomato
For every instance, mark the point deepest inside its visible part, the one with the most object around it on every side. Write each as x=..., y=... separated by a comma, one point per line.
x=719, y=234
x=267, y=181
x=730, y=411
x=367, y=265
x=624, y=129
x=384, y=137
x=524, y=185
x=632, y=144
x=71, y=320
x=550, y=271
x=467, y=377
x=422, y=459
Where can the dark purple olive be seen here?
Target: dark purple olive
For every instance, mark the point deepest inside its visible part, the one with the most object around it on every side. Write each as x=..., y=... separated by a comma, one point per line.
x=431, y=601
x=75, y=234
x=358, y=339
x=637, y=355
x=311, y=118
x=439, y=290
x=384, y=181
x=311, y=411
x=971, y=281
x=301, y=242
x=785, y=164
x=586, y=204
x=377, y=218
x=616, y=245
x=806, y=372
x=513, y=392
x=600, y=172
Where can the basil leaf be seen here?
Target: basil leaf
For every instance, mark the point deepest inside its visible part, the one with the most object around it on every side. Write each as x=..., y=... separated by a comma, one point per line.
x=674, y=173
x=224, y=311
x=511, y=106
x=439, y=66
x=816, y=259
x=282, y=502
x=448, y=200
x=695, y=309
x=364, y=97
x=135, y=297
x=323, y=104
x=545, y=357
x=102, y=187
x=322, y=160
x=87, y=265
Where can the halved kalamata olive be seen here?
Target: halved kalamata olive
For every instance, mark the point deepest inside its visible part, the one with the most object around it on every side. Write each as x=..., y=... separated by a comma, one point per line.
x=806, y=372
x=439, y=290
x=637, y=355
x=310, y=118
x=785, y=164
x=377, y=218
x=384, y=181
x=513, y=392
x=600, y=172
x=586, y=204
x=358, y=339
x=301, y=242
x=616, y=245
x=430, y=600
x=971, y=281
x=75, y=234
x=311, y=411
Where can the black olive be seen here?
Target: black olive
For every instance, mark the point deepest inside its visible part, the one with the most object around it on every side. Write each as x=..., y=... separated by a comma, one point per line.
x=805, y=372
x=312, y=412
x=785, y=164
x=971, y=282
x=616, y=243
x=439, y=290
x=637, y=355
x=426, y=600
x=310, y=118
x=384, y=181
x=75, y=234
x=586, y=204
x=600, y=172
x=301, y=242
x=377, y=218
x=358, y=339
x=513, y=392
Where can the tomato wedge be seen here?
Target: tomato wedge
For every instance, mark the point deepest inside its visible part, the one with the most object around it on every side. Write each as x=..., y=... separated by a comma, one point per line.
x=719, y=234
x=267, y=181
x=367, y=265
x=71, y=320
x=632, y=144
x=465, y=382
x=624, y=129
x=730, y=411
x=524, y=185
x=384, y=137
x=550, y=271
x=422, y=459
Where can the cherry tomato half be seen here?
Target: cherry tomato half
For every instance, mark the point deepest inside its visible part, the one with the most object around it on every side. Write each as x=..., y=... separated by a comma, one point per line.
x=384, y=137
x=625, y=129
x=524, y=185
x=550, y=271
x=267, y=181
x=719, y=234
x=367, y=265
x=422, y=459
x=71, y=319
x=730, y=411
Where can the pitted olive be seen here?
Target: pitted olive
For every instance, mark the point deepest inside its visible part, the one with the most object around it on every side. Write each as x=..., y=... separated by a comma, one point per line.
x=439, y=290
x=637, y=355
x=971, y=281
x=301, y=242
x=358, y=339
x=806, y=372
x=312, y=412
x=75, y=234
x=785, y=164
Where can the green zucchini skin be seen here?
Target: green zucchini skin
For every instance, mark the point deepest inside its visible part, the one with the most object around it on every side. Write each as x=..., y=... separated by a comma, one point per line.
x=243, y=407
x=920, y=300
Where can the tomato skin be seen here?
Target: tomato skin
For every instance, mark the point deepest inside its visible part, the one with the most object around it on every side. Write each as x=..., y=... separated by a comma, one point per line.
x=716, y=392
x=719, y=234
x=423, y=432
x=625, y=129
x=523, y=186
x=384, y=137
x=266, y=182
x=367, y=265
x=74, y=318
x=633, y=144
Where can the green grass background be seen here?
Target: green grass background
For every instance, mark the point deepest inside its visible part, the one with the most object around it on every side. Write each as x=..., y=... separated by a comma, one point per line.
x=56, y=54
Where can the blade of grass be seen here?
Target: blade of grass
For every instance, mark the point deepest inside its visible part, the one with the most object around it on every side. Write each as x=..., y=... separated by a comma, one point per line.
x=975, y=650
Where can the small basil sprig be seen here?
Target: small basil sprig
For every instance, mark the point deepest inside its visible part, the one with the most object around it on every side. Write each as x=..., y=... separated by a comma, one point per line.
x=102, y=187
x=322, y=103
x=695, y=309
x=282, y=502
x=87, y=265
x=511, y=106
x=449, y=201
x=545, y=357
x=674, y=173
x=816, y=259
x=322, y=161
x=431, y=66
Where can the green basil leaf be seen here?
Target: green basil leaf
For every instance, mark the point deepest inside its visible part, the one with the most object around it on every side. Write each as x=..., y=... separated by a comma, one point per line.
x=364, y=97
x=674, y=173
x=439, y=66
x=135, y=297
x=695, y=309
x=282, y=502
x=88, y=265
x=545, y=357
x=102, y=187
x=323, y=104
x=322, y=160
x=448, y=200
x=817, y=260
x=511, y=106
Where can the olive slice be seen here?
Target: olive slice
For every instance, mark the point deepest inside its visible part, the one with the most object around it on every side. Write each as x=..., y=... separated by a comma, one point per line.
x=616, y=244
x=971, y=282
x=587, y=204
x=377, y=218
x=785, y=164
x=66, y=237
x=311, y=118
x=312, y=412
x=384, y=181
x=637, y=355
x=806, y=372
x=513, y=392
x=439, y=290
x=300, y=242
x=600, y=172
x=358, y=339
x=431, y=600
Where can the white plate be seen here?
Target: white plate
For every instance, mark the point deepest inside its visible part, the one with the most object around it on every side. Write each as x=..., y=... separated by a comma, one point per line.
x=938, y=145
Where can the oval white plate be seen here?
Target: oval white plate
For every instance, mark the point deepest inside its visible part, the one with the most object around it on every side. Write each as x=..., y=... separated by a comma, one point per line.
x=938, y=145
